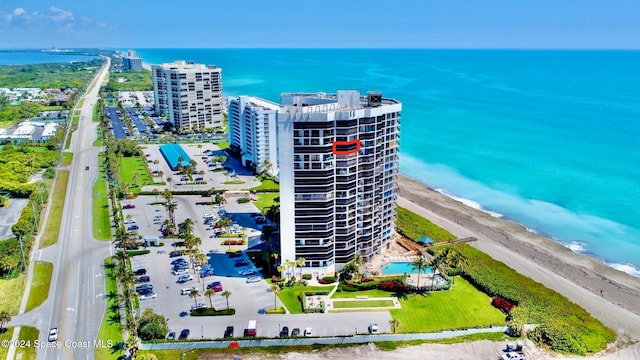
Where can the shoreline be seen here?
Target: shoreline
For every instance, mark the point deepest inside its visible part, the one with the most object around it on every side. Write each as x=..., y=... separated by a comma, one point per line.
x=608, y=294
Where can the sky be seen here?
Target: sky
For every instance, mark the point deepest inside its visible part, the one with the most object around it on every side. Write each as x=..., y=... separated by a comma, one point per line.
x=568, y=24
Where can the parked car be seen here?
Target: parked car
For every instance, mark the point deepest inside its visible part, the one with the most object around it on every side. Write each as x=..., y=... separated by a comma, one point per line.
x=295, y=332
x=148, y=296
x=128, y=206
x=216, y=286
x=144, y=288
x=247, y=272
x=133, y=228
x=176, y=253
x=198, y=306
x=171, y=336
x=252, y=279
x=179, y=260
x=512, y=356
x=234, y=254
x=206, y=273
x=240, y=263
x=53, y=334
x=373, y=328
x=184, y=278
x=284, y=332
x=308, y=332
x=141, y=271
x=86, y=167
x=228, y=332
x=143, y=279
x=179, y=272
x=184, y=334
x=187, y=291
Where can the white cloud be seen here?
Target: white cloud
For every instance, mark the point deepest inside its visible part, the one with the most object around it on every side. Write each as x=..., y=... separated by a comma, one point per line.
x=60, y=14
x=19, y=11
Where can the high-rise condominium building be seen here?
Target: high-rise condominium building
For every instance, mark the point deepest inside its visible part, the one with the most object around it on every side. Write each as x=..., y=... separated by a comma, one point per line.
x=131, y=61
x=189, y=94
x=338, y=159
x=252, y=129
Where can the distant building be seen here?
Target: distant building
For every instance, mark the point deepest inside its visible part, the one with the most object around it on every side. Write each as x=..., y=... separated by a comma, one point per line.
x=252, y=128
x=189, y=94
x=30, y=131
x=338, y=164
x=131, y=61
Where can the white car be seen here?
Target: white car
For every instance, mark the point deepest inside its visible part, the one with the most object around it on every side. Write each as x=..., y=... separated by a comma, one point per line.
x=252, y=279
x=53, y=334
x=373, y=328
x=180, y=272
x=512, y=356
x=308, y=332
x=198, y=306
x=247, y=272
x=187, y=291
x=148, y=296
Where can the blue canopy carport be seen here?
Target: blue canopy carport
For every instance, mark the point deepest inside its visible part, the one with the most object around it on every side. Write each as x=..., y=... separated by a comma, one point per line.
x=425, y=241
x=171, y=153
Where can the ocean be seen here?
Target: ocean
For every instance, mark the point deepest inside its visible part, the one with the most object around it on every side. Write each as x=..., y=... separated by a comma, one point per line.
x=550, y=139
x=24, y=58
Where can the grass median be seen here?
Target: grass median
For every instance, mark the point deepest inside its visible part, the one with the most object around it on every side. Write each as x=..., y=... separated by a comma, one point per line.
x=110, y=327
x=5, y=335
x=28, y=335
x=101, y=217
x=67, y=157
x=40, y=284
x=52, y=230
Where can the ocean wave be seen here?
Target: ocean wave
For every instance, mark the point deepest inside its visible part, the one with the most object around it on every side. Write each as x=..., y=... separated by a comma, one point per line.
x=575, y=246
x=603, y=239
x=628, y=268
x=470, y=203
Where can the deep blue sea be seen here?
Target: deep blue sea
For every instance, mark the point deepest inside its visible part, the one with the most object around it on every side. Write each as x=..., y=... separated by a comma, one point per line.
x=550, y=139
x=23, y=58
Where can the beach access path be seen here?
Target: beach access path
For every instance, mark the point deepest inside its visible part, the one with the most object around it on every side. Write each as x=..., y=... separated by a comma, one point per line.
x=608, y=294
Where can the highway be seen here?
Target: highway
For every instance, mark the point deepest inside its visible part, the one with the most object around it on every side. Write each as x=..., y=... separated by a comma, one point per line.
x=77, y=303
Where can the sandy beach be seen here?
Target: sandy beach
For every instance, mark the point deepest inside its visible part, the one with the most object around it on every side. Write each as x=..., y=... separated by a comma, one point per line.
x=610, y=295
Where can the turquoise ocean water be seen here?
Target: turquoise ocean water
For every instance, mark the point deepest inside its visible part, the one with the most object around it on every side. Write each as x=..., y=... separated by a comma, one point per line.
x=550, y=139
x=23, y=58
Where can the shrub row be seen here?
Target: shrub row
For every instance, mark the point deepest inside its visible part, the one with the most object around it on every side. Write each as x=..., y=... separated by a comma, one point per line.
x=137, y=252
x=213, y=312
x=562, y=325
x=302, y=299
x=307, y=276
x=233, y=242
x=414, y=226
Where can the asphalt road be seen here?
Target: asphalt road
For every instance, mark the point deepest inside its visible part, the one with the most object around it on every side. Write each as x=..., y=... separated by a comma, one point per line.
x=77, y=291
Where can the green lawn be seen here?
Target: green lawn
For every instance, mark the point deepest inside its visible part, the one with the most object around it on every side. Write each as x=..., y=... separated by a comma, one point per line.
x=265, y=200
x=40, y=286
x=80, y=103
x=267, y=185
x=223, y=144
x=375, y=293
x=101, y=217
x=234, y=182
x=415, y=226
x=96, y=113
x=289, y=296
x=52, y=108
x=131, y=165
x=30, y=334
x=11, y=292
x=350, y=304
x=67, y=142
x=75, y=120
x=52, y=230
x=110, y=327
x=463, y=306
x=6, y=334
x=67, y=157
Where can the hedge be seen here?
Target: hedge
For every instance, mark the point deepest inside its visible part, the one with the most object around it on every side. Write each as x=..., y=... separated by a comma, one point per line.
x=302, y=298
x=213, y=312
x=562, y=325
x=137, y=252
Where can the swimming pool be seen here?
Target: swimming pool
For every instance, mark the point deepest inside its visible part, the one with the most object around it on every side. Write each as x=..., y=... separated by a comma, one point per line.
x=399, y=268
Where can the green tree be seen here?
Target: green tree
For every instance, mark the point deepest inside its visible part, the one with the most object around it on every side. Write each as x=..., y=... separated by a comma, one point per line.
x=209, y=293
x=152, y=326
x=5, y=317
x=394, y=323
x=419, y=264
x=194, y=294
x=300, y=263
x=226, y=295
x=275, y=289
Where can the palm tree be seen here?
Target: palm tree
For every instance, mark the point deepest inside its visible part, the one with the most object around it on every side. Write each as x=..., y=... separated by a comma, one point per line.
x=169, y=182
x=185, y=228
x=201, y=259
x=161, y=174
x=394, y=323
x=156, y=162
x=219, y=199
x=300, y=263
x=131, y=345
x=167, y=195
x=200, y=148
x=180, y=160
x=135, y=178
x=226, y=294
x=171, y=208
x=280, y=269
x=275, y=289
x=419, y=264
x=156, y=193
x=194, y=294
x=209, y=293
x=5, y=317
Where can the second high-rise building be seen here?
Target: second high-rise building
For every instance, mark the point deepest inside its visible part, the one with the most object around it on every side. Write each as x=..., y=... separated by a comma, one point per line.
x=188, y=94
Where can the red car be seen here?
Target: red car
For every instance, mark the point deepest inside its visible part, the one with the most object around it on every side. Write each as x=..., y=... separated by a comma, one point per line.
x=128, y=206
